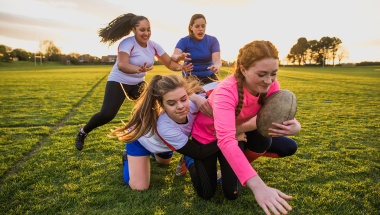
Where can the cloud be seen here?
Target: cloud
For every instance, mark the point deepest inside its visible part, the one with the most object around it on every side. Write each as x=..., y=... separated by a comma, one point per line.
x=98, y=8
x=368, y=43
x=40, y=22
x=219, y=3
x=33, y=34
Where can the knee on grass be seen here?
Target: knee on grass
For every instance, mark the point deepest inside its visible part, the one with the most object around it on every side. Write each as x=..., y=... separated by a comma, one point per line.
x=139, y=185
x=231, y=193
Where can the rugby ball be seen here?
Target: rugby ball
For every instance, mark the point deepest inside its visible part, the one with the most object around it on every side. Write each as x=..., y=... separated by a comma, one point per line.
x=279, y=107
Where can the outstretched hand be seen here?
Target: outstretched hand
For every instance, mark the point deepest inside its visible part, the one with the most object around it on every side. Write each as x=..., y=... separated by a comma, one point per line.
x=182, y=57
x=287, y=128
x=268, y=197
x=214, y=69
x=185, y=67
x=143, y=69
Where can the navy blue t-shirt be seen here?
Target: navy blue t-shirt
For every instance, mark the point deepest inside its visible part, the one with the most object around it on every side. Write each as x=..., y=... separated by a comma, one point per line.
x=200, y=53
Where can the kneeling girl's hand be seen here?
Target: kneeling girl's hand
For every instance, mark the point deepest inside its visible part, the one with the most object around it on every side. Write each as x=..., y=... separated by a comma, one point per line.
x=268, y=197
x=287, y=128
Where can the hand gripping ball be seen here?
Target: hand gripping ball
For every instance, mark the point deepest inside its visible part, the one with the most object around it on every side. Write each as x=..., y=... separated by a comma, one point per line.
x=279, y=107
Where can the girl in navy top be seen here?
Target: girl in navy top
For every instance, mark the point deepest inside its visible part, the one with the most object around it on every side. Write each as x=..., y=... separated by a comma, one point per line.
x=201, y=50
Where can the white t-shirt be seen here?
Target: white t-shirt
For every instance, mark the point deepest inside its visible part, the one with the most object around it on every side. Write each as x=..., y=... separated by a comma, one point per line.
x=137, y=56
x=170, y=135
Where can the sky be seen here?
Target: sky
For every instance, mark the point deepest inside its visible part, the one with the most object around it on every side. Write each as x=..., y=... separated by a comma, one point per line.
x=73, y=24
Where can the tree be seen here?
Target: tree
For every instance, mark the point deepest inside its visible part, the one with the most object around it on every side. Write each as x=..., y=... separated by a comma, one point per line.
x=5, y=53
x=74, y=54
x=291, y=58
x=330, y=46
x=334, y=47
x=342, y=53
x=313, y=50
x=51, y=51
x=299, y=50
x=21, y=54
x=325, y=44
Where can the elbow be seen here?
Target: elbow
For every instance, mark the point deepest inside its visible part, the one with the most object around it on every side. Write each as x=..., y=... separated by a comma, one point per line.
x=119, y=66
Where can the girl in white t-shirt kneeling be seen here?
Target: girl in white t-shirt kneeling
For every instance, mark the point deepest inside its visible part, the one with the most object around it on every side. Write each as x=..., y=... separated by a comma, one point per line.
x=161, y=123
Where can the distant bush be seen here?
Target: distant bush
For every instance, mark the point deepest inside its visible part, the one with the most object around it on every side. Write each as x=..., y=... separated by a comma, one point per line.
x=369, y=63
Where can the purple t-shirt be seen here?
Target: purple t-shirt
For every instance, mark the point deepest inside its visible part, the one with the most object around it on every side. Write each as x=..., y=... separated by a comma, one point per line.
x=200, y=53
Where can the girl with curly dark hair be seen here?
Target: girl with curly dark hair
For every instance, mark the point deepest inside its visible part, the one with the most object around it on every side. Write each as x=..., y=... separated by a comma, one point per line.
x=135, y=58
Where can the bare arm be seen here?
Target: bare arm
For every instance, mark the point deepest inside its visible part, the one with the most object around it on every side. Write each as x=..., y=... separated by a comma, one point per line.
x=217, y=63
x=250, y=125
x=174, y=66
x=178, y=56
x=202, y=104
x=124, y=65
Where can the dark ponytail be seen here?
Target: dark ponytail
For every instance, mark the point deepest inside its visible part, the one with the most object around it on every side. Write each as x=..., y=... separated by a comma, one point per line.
x=119, y=28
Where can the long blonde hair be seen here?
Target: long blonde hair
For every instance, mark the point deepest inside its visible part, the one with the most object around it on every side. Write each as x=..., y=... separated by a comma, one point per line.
x=148, y=106
x=248, y=55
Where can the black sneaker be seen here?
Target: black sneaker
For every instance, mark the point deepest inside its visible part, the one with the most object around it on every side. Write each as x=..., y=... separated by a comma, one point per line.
x=79, y=141
x=124, y=156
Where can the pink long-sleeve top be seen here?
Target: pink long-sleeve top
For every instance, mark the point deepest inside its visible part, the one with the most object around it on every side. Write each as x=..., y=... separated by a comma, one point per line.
x=224, y=100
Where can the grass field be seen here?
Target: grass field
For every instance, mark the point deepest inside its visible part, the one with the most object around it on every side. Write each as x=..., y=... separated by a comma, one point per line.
x=336, y=169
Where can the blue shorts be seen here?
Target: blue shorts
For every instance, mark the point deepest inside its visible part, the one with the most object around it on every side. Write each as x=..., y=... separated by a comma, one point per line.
x=137, y=150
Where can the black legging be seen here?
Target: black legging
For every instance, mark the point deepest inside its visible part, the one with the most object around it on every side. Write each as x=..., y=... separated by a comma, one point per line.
x=203, y=172
x=113, y=99
x=203, y=176
x=282, y=146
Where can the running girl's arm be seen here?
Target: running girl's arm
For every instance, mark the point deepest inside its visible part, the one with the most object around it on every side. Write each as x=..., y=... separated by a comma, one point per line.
x=172, y=65
x=124, y=65
x=217, y=63
x=195, y=151
x=178, y=56
x=250, y=125
x=202, y=104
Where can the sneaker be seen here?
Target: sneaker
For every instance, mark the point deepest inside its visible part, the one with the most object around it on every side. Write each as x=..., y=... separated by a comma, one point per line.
x=124, y=156
x=79, y=141
x=219, y=177
x=181, y=168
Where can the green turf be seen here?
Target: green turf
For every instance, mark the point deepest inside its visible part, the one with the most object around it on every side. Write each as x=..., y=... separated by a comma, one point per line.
x=336, y=169
x=21, y=65
x=44, y=97
x=15, y=143
x=94, y=103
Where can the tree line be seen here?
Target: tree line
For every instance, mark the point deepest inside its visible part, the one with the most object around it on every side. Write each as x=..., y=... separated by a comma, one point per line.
x=316, y=52
x=48, y=51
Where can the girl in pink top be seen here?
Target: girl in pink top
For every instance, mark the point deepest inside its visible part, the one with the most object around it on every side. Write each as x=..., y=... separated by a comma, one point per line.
x=235, y=103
